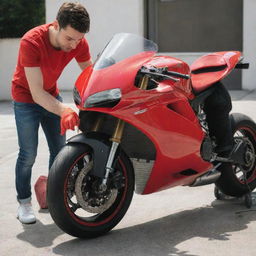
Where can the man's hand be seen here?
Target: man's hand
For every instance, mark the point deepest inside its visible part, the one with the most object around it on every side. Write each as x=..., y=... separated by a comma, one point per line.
x=69, y=119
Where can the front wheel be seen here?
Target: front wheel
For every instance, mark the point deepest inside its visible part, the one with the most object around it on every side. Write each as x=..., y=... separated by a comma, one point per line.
x=77, y=201
x=237, y=180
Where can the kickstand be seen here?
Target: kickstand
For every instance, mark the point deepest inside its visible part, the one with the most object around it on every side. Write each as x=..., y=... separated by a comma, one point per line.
x=247, y=198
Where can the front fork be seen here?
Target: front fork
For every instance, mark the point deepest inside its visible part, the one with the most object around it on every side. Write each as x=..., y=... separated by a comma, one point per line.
x=116, y=140
x=116, y=137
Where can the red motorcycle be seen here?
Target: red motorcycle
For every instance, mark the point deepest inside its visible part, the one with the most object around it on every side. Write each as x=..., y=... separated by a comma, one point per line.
x=144, y=129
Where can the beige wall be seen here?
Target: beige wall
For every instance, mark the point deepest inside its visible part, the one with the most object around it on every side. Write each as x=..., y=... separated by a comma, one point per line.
x=8, y=57
x=249, y=44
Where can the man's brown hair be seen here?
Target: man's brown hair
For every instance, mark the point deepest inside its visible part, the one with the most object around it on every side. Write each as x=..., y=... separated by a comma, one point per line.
x=75, y=15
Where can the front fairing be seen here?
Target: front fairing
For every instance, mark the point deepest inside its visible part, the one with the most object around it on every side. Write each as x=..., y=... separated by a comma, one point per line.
x=116, y=67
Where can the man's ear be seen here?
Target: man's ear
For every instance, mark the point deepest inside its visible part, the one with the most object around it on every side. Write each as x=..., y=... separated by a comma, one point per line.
x=56, y=25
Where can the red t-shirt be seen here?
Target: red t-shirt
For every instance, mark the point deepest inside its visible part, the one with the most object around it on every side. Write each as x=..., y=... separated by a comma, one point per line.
x=36, y=51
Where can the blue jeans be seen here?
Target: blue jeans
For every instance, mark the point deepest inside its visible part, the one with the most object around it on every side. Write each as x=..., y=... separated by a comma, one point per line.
x=28, y=117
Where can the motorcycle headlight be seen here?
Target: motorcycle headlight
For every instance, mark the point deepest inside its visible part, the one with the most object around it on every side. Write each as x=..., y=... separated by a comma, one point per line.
x=76, y=96
x=108, y=98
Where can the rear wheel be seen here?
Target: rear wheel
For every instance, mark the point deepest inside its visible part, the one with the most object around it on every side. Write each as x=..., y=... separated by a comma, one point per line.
x=77, y=201
x=237, y=180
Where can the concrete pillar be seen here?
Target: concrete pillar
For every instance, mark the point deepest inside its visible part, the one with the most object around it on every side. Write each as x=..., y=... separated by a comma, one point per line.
x=249, y=44
x=8, y=58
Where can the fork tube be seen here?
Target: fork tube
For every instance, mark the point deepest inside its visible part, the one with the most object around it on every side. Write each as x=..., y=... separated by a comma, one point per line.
x=117, y=135
x=116, y=139
x=144, y=82
x=110, y=161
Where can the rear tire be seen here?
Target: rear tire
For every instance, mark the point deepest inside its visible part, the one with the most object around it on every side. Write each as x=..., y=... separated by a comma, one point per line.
x=231, y=181
x=106, y=209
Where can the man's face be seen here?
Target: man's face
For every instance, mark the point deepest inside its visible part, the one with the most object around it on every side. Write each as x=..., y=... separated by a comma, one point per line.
x=68, y=38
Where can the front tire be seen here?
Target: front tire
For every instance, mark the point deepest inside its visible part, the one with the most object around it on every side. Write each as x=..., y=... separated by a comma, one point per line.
x=238, y=180
x=76, y=202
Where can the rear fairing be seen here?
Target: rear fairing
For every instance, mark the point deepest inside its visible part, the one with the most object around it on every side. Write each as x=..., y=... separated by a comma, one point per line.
x=212, y=68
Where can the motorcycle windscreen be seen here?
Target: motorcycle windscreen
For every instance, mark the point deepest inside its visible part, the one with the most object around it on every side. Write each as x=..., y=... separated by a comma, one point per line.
x=117, y=65
x=121, y=47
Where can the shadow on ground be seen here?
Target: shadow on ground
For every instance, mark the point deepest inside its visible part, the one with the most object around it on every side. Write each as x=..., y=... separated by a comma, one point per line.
x=158, y=237
x=40, y=235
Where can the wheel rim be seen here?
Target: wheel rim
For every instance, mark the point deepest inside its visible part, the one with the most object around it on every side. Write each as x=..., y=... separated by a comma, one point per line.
x=96, y=209
x=247, y=173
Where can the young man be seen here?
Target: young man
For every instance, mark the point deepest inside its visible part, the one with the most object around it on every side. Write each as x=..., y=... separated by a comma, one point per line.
x=44, y=52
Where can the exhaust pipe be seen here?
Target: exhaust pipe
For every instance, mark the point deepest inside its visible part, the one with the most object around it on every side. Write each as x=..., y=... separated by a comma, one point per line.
x=208, y=178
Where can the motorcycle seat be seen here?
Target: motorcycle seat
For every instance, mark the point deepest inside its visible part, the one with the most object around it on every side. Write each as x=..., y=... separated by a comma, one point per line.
x=211, y=68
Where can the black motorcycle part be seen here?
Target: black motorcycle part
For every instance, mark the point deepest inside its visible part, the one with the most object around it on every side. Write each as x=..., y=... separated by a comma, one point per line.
x=63, y=202
x=209, y=69
x=238, y=154
x=131, y=135
x=242, y=65
x=200, y=98
x=207, y=149
x=236, y=179
x=100, y=145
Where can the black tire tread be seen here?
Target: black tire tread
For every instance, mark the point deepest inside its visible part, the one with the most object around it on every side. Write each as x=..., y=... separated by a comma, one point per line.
x=55, y=188
x=228, y=183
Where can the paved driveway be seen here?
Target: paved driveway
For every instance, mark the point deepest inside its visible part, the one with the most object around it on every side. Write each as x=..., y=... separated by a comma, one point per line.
x=180, y=221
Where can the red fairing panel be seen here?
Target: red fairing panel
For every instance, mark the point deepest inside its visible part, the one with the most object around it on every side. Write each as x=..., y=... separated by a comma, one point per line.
x=202, y=79
x=163, y=114
x=120, y=75
x=177, y=138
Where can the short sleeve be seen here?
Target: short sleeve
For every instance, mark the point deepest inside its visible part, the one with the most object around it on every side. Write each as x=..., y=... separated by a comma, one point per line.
x=29, y=54
x=83, y=53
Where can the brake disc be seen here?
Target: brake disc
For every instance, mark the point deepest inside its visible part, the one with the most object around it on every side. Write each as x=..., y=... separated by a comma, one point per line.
x=84, y=203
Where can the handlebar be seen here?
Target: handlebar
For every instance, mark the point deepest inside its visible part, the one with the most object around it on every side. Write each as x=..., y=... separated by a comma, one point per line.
x=159, y=75
x=180, y=75
x=163, y=73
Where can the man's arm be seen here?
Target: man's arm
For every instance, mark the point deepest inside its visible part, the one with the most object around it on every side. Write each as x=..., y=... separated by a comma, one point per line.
x=69, y=118
x=39, y=95
x=84, y=65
